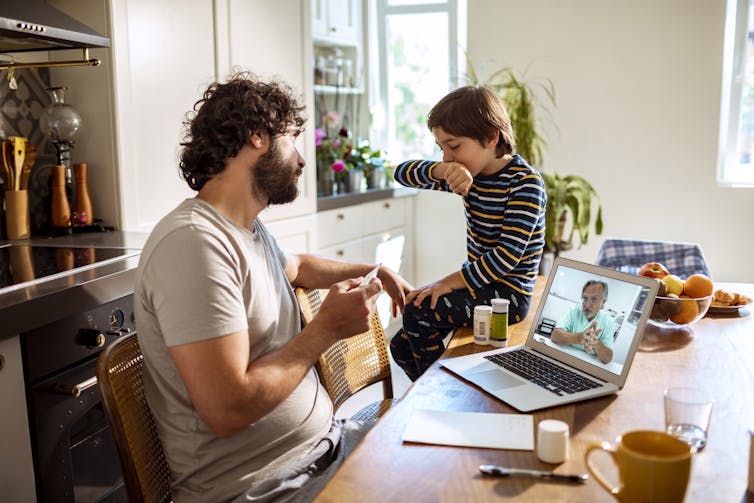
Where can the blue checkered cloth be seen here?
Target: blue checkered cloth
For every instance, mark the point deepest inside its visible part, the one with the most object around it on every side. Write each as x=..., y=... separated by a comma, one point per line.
x=628, y=255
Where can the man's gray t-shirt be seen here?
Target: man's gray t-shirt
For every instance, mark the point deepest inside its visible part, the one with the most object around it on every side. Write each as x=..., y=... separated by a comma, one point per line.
x=200, y=277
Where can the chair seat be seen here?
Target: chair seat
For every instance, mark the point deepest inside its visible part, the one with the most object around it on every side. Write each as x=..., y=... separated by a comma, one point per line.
x=628, y=255
x=374, y=411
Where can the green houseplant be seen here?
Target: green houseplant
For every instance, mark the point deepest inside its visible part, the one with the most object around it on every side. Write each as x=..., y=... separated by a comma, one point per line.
x=565, y=194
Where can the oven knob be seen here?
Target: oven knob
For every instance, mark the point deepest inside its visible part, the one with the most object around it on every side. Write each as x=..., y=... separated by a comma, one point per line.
x=91, y=337
x=117, y=318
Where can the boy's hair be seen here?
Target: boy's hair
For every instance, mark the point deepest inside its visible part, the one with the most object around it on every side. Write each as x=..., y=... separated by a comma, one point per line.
x=226, y=117
x=474, y=112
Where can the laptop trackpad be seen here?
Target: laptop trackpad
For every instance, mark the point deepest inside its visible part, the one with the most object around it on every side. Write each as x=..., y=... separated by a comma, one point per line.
x=495, y=379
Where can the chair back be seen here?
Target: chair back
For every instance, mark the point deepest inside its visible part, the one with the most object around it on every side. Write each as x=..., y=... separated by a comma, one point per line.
x=350, y=364
x=628, y=255
x=119, y=375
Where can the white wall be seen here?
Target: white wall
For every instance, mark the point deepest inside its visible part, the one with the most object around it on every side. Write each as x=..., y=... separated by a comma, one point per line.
x=638, y=95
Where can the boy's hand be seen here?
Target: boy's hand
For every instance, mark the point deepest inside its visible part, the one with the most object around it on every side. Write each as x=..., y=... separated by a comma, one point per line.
x=458, y=177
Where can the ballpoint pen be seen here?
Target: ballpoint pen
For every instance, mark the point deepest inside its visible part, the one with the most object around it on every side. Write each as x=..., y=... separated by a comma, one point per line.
x=500, y=471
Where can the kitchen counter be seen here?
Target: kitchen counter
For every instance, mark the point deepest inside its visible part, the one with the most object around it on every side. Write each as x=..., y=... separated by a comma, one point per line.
x=28, y=305
x=352, y=198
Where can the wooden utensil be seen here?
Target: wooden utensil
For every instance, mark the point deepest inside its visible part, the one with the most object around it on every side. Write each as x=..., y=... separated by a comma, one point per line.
x=19, y=154
x=7, y=148
x=31, y=157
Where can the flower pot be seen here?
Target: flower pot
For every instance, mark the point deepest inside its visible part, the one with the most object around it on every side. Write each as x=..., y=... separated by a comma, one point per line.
x=376, y=178
x=354, y=180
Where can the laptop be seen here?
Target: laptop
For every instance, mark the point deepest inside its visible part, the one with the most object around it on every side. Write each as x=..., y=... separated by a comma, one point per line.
x=544, y=373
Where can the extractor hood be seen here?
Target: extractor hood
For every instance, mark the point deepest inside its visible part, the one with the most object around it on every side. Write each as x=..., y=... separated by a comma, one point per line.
x=34, y=25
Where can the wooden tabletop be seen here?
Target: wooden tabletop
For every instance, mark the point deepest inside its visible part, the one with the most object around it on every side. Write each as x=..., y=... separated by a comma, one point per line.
x=716, y=355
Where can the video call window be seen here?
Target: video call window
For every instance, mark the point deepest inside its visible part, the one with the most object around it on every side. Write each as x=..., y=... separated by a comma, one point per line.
x=620, y=311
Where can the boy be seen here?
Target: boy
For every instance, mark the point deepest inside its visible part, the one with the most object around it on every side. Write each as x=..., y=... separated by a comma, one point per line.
x=504, y=200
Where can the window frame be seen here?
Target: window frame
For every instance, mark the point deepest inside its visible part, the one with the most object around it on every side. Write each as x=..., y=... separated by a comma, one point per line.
x=730, y=172
x=379, y=10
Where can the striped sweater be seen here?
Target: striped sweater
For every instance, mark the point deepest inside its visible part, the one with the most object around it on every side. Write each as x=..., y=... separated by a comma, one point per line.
x=505, y=222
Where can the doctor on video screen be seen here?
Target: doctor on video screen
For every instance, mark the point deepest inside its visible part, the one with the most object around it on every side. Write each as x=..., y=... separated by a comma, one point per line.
x=587, y=327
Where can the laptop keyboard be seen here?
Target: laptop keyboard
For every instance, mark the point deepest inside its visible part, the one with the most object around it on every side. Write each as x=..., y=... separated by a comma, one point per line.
x=544, y=373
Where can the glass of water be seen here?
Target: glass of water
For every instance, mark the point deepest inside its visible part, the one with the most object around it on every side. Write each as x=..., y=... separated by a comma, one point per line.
x=687, y=415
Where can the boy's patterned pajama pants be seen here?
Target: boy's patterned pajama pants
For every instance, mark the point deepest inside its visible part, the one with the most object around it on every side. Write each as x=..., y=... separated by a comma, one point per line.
x=420, y=342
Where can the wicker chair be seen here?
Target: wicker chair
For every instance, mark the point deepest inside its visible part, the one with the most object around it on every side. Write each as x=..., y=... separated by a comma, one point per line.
x=119, y=374
x=352, y=364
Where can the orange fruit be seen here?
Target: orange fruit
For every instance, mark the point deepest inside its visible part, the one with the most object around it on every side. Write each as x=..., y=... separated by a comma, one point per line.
x=697, y=286
x=689, y=310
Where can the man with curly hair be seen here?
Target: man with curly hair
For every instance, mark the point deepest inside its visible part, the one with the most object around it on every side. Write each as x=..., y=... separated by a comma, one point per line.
x=228, y=369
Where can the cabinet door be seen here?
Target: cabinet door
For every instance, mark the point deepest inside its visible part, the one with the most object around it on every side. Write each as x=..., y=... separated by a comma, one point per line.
x=319, y=18
x=163, y=56
x=343, y=20
x=272, y=40
x=336, y=22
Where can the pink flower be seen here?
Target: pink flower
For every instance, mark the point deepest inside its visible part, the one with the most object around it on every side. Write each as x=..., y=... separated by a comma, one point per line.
x=331, y=118
x=336, y=143
x=319, y=134
x=338, y=166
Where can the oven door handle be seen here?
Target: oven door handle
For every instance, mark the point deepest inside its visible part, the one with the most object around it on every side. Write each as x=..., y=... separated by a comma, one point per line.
x=76, y=389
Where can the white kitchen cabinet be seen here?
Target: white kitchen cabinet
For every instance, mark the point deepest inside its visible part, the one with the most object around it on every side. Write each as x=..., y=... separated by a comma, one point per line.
x=378, y=231
x=336, y=22
x=163, y=55
x=17, y=473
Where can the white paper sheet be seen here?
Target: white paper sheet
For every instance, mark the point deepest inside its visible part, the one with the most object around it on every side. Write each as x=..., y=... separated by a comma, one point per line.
x=471, y=429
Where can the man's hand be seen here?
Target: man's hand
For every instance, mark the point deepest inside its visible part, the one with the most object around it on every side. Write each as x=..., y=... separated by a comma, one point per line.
x=347, y=308
x=457, y=175
x=396, y=287
x=591, y=337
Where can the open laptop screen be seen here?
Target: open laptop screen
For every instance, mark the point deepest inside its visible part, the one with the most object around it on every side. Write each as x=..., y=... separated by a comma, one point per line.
x=592, y=314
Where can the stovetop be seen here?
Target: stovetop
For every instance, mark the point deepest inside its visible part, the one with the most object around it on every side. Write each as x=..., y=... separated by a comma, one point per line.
x=21, y=263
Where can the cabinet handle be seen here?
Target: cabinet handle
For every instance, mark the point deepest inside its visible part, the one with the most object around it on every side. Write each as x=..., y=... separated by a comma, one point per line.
x=333, y=29
x=386, y=205
x=341, y=216
x=340, y=253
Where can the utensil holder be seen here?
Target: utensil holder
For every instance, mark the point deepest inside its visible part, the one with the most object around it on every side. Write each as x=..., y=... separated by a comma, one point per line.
x=17, y=214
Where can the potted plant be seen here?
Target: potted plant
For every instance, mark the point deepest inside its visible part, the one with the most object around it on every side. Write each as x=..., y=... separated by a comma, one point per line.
x=565, y=194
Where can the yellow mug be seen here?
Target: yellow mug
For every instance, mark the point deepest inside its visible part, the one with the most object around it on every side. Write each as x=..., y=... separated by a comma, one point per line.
x=652, y=466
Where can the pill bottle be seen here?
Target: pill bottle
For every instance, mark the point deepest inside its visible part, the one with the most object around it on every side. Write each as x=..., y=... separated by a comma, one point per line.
x=482, y=318
x=499, y=323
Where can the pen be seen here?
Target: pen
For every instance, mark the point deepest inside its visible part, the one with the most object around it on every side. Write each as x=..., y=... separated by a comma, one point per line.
x=500, y=471
x=371, y=274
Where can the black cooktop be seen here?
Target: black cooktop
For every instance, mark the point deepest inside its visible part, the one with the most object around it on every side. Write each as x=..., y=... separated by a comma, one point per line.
x=25, y=263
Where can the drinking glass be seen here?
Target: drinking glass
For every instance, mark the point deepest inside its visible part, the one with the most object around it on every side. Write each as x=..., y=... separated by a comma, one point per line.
x=687, y=415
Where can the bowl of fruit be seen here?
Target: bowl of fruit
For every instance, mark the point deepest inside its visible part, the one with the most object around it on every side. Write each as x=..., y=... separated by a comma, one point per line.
x=680, y=302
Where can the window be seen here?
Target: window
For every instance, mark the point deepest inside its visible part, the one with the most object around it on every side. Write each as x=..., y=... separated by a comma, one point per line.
x=736, y=144
x=415, y=63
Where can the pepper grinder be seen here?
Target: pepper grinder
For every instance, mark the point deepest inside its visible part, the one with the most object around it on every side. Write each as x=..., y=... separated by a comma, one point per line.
x=83, y=213
x=61, y=210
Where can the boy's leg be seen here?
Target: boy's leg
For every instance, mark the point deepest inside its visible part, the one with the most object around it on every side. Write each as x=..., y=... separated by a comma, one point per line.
x=419, y=343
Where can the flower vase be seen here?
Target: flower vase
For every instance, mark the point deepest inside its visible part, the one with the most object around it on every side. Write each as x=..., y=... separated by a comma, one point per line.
x=376, y=178
x=355, y=180
x=325, y=180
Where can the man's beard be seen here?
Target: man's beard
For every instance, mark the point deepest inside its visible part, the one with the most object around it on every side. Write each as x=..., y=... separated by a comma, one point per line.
x=274, y=181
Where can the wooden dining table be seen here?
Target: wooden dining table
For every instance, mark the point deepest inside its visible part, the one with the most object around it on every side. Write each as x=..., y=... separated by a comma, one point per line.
x=716, y=355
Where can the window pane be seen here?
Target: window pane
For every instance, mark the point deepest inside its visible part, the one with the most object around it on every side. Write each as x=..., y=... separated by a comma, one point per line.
x=746, y=131
x=418, y=76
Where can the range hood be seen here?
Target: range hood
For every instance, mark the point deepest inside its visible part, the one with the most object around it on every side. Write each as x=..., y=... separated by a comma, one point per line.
x=34, y=25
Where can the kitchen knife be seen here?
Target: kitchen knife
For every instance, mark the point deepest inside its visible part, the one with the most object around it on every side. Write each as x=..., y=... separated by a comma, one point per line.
x=500, y=471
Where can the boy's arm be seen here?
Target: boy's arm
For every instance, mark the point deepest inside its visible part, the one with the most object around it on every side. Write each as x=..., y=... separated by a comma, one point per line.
x=421, y=175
